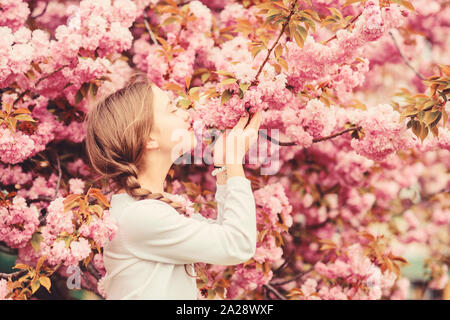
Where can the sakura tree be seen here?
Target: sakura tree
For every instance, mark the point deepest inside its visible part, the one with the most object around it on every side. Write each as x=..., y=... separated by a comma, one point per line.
x=354, y=98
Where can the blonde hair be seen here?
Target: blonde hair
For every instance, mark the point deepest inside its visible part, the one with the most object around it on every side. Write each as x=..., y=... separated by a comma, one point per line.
x=116, y=132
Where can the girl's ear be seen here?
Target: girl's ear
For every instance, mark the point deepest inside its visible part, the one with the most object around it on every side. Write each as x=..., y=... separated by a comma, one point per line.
x=152, y=144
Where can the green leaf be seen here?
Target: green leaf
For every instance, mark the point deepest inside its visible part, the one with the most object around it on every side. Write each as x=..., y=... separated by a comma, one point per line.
x=226, y=95
x=228, y=81
x=205, y=77
x=256, y=50
x=169, y=21
x=68, y=240
x=45, y=281
x=335, y=13
x=225, y=73
x=24, y=117
x=35, y=286
x=298, y=39
x=303, y=32
x=283, y=63
x=184, y=102
x=36, y=241
x=244, y=87
x=278, y=51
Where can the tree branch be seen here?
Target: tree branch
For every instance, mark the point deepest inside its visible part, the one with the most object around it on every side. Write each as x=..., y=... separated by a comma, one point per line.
x=404, y=58
x=298, y=275
x=12, y=275
x=255, y=81
x=346, y=27
x=286, y=144
x=147, y=26
x=58, y=183
x=275, y=291
x=50, y=74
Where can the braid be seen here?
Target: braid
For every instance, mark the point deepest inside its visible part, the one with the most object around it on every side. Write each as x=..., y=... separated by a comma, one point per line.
x=134, y=189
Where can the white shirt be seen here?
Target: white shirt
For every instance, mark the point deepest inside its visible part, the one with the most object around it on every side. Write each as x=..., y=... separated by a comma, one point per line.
x=146, y=257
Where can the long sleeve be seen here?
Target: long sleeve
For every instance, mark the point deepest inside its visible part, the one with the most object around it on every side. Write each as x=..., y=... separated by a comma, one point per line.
x=153, y=230
x=220, y=199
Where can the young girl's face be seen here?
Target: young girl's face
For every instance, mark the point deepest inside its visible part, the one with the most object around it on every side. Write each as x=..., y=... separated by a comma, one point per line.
x=171, y=126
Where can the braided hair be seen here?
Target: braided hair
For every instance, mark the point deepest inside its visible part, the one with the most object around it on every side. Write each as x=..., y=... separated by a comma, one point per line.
x=116, y=131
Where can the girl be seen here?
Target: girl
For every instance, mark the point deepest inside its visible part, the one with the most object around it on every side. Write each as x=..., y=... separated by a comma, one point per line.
x=129, y=141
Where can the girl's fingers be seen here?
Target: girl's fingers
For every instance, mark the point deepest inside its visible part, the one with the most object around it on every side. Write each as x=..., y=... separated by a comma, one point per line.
x=242, y=122
x=255, y=121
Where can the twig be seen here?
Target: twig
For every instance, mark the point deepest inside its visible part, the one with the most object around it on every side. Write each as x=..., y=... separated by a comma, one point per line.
x=255, y=81
x=58, y=183
x=147, y=26
x=282, y=266
x=349, y=24
x=12, y=275
x=20, y=96
x=50, y=74
x=404, y=58
x=285, y=144
x=279, y=283
x=299, y=275
x=275, y=291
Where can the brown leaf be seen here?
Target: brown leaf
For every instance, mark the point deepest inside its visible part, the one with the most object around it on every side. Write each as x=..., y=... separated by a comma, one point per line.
x=188, y=81
x=40, y=263
x=408, y=5
x=21, y=266
x=226, y=95
x=21, y=110
x=24, y=117
x=45, y=281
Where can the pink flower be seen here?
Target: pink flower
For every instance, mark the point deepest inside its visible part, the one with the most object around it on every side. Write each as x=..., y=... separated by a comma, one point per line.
x=18, y=222
x=4, y=291
x=14, y=13
x=14, y=175
x=59, y=221
x=309, y=286
x=14, y=147
x=384, y=135
x=80, y=249
x=76, y=185
x=439, y=282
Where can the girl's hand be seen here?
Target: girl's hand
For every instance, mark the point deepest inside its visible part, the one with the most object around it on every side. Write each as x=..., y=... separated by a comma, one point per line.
x=233, y=144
